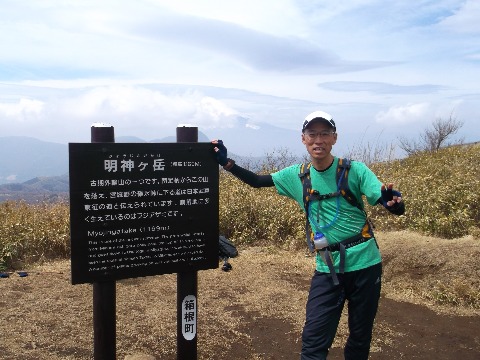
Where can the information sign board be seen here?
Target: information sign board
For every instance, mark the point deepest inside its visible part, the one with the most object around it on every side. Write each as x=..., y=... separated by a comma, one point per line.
x=139, y=209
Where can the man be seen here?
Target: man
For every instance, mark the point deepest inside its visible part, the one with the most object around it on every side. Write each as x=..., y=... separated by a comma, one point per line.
x=348, y=261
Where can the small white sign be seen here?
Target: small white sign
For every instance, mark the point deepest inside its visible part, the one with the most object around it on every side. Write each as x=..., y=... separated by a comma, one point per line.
x=189, y=317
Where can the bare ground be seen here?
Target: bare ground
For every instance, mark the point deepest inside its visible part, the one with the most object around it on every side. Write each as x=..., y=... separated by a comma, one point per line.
x=255, y=311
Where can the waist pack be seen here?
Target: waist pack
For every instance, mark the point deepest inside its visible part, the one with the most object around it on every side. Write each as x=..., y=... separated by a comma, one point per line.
x=226, y=250
x=341, y=247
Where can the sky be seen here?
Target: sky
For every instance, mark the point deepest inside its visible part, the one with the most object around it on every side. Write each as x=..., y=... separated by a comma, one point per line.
x=383, y=69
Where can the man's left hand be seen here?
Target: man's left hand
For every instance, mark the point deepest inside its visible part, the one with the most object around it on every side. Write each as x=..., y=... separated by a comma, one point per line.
x=390, y=196
x=392, y=199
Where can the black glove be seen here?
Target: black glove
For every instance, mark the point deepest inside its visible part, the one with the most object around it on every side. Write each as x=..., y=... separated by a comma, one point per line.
x=221, y=153
x=398, y=208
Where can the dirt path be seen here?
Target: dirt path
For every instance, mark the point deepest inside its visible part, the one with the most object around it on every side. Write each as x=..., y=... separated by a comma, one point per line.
x=418, y=333
x=256, y=311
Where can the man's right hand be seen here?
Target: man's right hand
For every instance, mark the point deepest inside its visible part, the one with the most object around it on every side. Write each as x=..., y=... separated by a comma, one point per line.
x=220, y=152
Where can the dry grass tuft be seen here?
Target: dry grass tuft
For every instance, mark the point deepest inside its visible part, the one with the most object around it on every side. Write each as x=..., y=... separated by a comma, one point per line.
x=441, y=191
x=444, y=273
x=33, y=232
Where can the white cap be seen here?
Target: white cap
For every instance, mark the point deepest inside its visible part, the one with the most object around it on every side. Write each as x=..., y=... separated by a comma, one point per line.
x=319, y=115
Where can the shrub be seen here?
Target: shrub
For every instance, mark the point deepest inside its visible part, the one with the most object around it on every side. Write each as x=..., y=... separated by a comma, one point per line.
x=441, y=191
x=251, y=215
x=33, y=232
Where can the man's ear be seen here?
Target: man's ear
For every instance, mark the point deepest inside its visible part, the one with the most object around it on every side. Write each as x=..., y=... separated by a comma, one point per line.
x=303, y=138
x=334, y=138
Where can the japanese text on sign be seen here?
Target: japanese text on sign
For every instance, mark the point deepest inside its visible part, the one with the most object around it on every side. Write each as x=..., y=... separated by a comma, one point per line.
x=151, y=207
x=189, y=317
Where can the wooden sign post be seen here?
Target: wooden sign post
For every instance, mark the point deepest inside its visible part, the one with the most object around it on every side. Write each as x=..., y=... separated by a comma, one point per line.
x=104, y=292
x=141, y=209
x=187, y=286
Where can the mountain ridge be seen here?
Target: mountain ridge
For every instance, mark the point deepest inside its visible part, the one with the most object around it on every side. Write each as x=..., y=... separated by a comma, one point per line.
x=27, y=158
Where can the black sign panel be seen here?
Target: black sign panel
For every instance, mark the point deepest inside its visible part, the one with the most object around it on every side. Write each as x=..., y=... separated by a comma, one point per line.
x=142, y=209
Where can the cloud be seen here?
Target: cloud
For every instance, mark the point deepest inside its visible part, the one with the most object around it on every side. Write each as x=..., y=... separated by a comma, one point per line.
x=381, y=88
x=474, y=57
x=402, y=115
x=22, y=110
x=134, y=109
x=149, y=38
x=252, y=126
x=465, y=20
x=148, y=65
x=269, y=16
x=211, y=113
x=9, y=178
x=257, y=50
x=147, y=107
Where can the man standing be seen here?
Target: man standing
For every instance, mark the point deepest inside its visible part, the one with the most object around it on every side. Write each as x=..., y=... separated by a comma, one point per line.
x=348, y=261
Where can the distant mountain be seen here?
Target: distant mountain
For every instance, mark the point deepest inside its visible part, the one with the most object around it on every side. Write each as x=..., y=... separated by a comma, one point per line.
x=201, y=138
x=24, y=158
x=51, y=184
x=259, y=140
x=47, y=189
x=129, y=139
x=32, y=169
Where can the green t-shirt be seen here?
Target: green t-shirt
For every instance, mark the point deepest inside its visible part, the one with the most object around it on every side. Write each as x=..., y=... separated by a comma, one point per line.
x=324, y=218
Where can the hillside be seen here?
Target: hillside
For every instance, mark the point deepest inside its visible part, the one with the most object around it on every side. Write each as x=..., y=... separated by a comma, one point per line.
x=441, y=192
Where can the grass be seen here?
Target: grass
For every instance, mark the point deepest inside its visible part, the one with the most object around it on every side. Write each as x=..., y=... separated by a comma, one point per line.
x=420, y=268
x=33, y=232
x=441, y=191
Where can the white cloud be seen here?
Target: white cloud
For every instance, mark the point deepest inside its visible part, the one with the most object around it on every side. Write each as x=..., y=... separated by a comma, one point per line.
x=148, y=65
x=23, y=110
x=252, y=126
x=380, y=88
x=268, y=16
x=211, y=113
x=403, y=115
x=475, y=57
x=465, y=19
x=134, y=109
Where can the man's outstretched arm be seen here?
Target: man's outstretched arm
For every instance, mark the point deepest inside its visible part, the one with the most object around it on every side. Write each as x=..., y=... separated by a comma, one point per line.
x=247, y=176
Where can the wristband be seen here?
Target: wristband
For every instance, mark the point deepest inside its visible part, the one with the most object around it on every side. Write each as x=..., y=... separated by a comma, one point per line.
x=228, y=166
